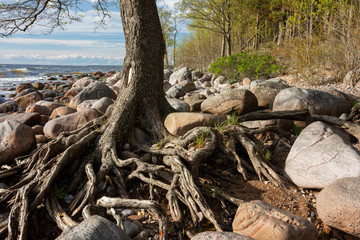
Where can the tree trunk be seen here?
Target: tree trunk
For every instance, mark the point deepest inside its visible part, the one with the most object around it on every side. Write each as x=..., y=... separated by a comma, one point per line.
x=141, y=90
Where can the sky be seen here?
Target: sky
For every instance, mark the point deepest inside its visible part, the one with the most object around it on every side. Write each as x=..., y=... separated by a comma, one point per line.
x=79, y=44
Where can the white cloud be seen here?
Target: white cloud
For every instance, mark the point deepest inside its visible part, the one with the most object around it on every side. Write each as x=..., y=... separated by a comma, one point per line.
x=169, y=3
x=69, y=43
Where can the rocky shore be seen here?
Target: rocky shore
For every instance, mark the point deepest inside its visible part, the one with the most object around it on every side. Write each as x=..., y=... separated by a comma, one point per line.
x=321, y=163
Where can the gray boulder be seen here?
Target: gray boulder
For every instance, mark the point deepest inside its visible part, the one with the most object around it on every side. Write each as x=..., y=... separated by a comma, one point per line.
x=263, y=221
x=320, y=155
x=2, y=100
x=69, y=122
x=187, y=85
x=83, y=82
x=176, y=92
x=86, y=104
x=240, y=101
x=180, y=75
x=95, y=90
x=266, y=90
x=103, y=104
x=338, y=205
x=179, y=105
x=218, y=81
x=195, y=102
x=167, y=73
x=317, y=102
x=95, y=228
x=16, y=139
x=209, y=235
x=166, y=85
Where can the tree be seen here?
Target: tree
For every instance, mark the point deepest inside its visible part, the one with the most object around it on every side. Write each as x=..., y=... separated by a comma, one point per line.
x=214, y=15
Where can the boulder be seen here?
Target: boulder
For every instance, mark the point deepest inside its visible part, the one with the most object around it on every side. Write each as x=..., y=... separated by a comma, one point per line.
x=180, y=75
x=166, y=85
x=83, y=82
x=239, y=100
x=167, y=73
x=187, y=85
x=30, y=119
x=41, y=138
x=86, y=104
x=95, y=90
x=179, y=105
x=28, y=99
x=176, y=92
x=94, y=228
x=48, y=93
x=317, y=102
x=266, y=90
x=61, y=111
x=103, y=104
x=26, y=91
x=23, y=86
x=2, y=100
x=195, y=102
x=9, y=106
x=218, y=81
x=338, y=205
x=320, y=155
x=178, y=124
x=210, y=235
x=38, y=129
x=16, y=139
x=39, y=85
x=43, y=110
x=50, y=105
x=70, y=122
x=196, y=75
x=72, y=92
x=262, y=221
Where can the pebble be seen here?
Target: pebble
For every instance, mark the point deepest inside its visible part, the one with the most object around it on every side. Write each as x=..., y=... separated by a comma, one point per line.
x=68, y=198
x=127, y=212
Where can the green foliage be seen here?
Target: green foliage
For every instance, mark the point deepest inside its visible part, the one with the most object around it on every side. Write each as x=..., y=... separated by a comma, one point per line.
x=244, y=64
x=199, y=141
x=296, y=130
x=58, y=192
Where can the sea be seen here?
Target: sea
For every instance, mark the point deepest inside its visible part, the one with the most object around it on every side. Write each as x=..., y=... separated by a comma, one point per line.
x=11, y=75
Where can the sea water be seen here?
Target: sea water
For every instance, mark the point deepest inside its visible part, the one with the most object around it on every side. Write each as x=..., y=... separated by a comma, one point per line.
x=11, y=75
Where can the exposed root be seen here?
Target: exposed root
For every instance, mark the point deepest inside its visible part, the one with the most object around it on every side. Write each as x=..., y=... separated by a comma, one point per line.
x=92, y=153
x=135, y=203
x=63, y=221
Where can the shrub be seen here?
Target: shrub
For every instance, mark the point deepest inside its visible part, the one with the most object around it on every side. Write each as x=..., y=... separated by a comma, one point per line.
x=243, y=65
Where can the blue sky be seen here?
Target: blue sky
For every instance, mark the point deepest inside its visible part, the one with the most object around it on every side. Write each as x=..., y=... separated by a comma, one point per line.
x=79, y=44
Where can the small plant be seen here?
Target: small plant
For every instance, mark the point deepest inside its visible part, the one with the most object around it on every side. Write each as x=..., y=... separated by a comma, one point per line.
x=160, y=144
x=267, y=156
x=233, y=119
x=58, y=192
x=200, y=140
x=296, y=130
x=81, y=185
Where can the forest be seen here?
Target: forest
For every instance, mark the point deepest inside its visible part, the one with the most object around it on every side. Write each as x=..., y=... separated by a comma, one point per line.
x=318, y=40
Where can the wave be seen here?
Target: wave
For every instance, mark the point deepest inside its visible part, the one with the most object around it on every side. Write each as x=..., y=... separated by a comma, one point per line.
x=21, y=79
x=19, y=70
